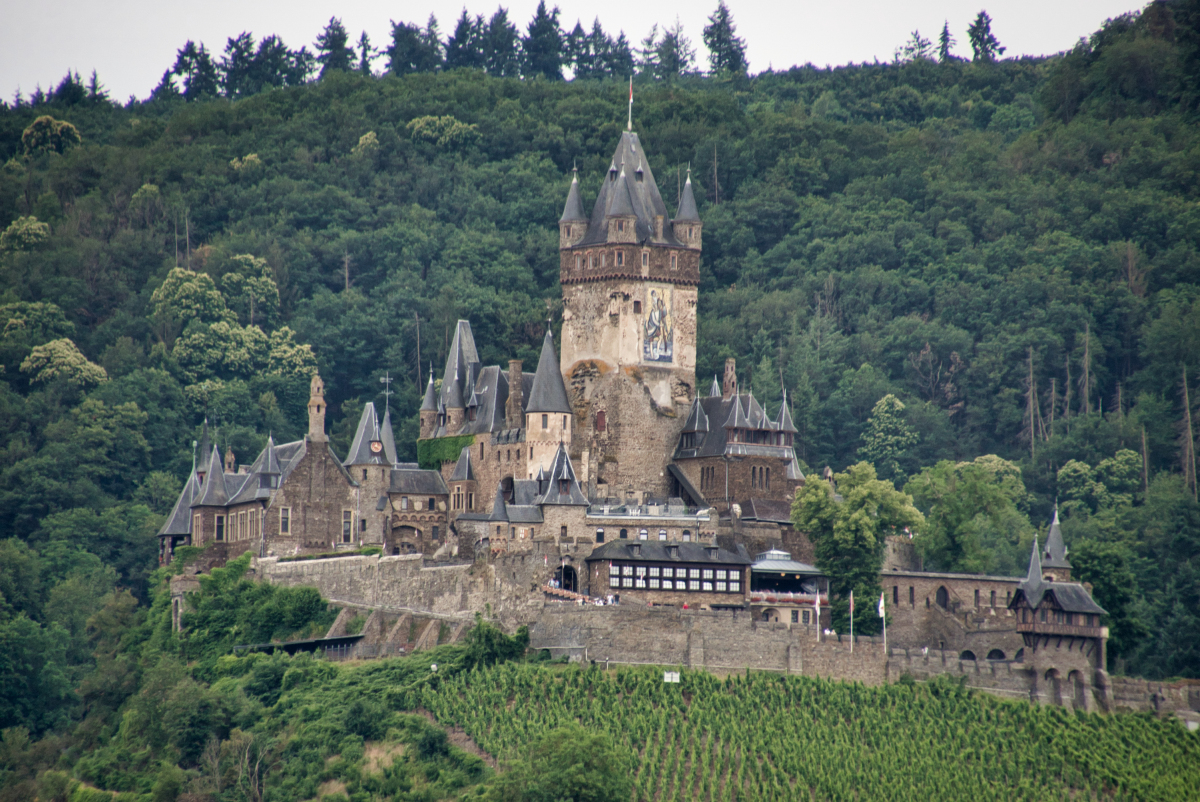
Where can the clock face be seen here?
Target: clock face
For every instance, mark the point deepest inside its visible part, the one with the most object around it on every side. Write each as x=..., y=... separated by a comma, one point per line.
x=376, y=446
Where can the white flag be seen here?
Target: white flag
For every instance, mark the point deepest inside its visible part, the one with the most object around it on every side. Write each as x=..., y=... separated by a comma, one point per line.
x=881, y=605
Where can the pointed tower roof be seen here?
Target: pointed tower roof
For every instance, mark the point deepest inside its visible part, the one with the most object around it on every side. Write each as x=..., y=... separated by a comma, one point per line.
x=784, y=422
x=645, y=201
x=499, y=508
x=622, y=203
x=368, y=432
x=697, y=419
x=573, y=211
x=457, y=376
x=179, y=522
x=463, y=470
x=1055, y=553
x=549, y=393
x=429, y=404
x=270, y=458
x=737, y=416
x=213, y=493
x=687, y=203
x=1033, y=579
x=715, y=390
x=389, y=438
x=755, y=414
x=205, y=447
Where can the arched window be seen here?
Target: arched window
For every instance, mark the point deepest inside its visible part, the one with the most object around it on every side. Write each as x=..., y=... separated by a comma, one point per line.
x=967, y=655
x=624, y=534
x=943, y=597
x=601, y=421
x=995, y=654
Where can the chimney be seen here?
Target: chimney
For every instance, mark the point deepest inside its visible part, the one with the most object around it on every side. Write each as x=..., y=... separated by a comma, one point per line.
x=729, y=385
x=514, y=412
x=316, y=410
x=230, y=462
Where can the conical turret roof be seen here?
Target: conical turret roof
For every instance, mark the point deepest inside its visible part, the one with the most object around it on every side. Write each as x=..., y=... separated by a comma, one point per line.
x=549, y=393
x=270, y=458
x=622, y=203
x=642, y=196
x=499, y=508
x=389, y=438
x=563, y=487
x=458, y=373
x=370, y=431
x=784, y=422
x=573, y=211
x=697, y=419
x=213, y=493
x=1033, y=579
x=687, y=203
x=429, y=404
x=463, y=470
x=737, y=417
x=1055, y=554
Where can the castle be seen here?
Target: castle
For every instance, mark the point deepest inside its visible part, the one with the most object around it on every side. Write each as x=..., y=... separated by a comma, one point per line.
x=607, y=473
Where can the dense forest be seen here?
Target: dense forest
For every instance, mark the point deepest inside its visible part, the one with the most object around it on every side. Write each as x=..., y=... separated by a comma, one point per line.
x=981, y=276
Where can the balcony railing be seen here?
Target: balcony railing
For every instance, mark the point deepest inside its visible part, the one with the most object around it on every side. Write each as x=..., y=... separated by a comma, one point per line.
x=1067, y=630
x=772, y=597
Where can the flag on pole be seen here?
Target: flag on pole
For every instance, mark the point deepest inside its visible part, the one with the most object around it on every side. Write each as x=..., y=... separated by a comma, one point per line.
x=851, y=622
x=818, y=611
x=629, y=124
x=851, y=602
x=881, y=608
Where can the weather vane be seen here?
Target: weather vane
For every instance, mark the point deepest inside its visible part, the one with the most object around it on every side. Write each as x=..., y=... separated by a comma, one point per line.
x=386, y=381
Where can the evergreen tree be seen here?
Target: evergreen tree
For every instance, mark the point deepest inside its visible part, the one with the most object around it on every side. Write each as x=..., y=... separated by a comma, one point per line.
x=618, y=61
x=96, y=93
x=501, y=46
x=366, y=54
x=237, y=66
x=676, y=55
x=576, y=49
x=333, y=47
x=945, y=42
x=70, y=90
x=543, y=46
x=464, y=48
x=413, y=50
x=200, y=78
x=726, y=50
x=647, y=55
x=983, y=43
x=166, y=89
x=887, y=438
x=917, y=48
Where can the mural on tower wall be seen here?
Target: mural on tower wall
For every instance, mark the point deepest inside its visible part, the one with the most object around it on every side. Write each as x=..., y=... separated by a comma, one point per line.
x=657, y=342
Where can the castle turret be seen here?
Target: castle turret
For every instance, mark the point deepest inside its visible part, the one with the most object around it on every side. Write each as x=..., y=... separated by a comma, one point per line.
x=514, y=411
x=1054, y=558
x=462, y=365
x=729, y=387
x=686, y=224
x=621, y=220
x=548, y=413
x=316, y=410
x=574, y=221
x=429, y=409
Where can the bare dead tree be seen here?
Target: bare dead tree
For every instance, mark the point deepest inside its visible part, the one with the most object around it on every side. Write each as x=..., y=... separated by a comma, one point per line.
x=1187, y=440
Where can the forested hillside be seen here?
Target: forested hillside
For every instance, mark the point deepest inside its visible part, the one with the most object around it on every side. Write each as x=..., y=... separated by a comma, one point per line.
x=1009, y=248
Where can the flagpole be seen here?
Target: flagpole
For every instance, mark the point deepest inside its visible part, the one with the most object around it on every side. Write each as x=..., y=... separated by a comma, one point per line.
x=883, y=617
x=851, y=622
x=629, y=124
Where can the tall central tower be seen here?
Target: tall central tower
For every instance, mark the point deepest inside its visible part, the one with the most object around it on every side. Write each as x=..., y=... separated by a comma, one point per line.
x=629, y=275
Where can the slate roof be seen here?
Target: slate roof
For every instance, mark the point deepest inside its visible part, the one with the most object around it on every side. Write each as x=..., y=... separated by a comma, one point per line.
x=1069, y=596
x=573, y=210
x=715, y=390
x=549, y=393
x=687, y=204
x=1055, y=553
x=429, y=404
x=408, y=478
x=763, y=509
x=777, y=561
x=686, y=485
x=732, y=415
x=179, y=522
x=463, y=471
x=213, y=493
x=697, y=420
x=556, y=492
x=784, y=422
x=499, y=508
x=370, y=430
x=462, y=365
x=664, y=551
x=630, y=196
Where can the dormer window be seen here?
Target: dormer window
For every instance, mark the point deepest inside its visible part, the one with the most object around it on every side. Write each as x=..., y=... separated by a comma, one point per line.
x=639, y=176
x=564, y=486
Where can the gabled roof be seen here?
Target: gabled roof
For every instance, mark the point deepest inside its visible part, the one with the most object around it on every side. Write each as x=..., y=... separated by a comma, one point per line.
x=737, y=417
x=408, y=478
x=463, y=471
x=715, y=390
x=687, y=203
x=562, y=487
x=369, y=431
x=756, y=415
x=573, y=211
x=643, y=198
x=1069, y=596
x=549, y=394
x=270, y=460
x=1055, y=554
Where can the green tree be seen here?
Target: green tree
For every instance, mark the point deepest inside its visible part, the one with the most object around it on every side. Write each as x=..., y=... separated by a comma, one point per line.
x=413, y=50
x=984, y=44
x=35, y=688
x=24, y=234
x=464, y=47
x=887, y=438
x=945, y=42
x=60, y=360
x=48, y=135
x=501, y=46
x=542, y=46
x=201, y=78
x=674, y=53
x=568, y=763
x=250, y=291
x=726, y=50
x=333, y=48
x=186, y=296
x=973, y=520
x=849, y=535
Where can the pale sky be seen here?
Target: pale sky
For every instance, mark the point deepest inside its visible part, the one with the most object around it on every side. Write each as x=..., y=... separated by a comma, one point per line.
x=131, y=42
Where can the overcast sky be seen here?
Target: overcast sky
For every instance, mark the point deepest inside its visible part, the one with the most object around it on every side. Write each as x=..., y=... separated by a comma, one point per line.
x=130, y=42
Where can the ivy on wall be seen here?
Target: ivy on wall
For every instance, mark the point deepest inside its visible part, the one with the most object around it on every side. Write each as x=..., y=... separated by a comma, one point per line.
x=433, y=452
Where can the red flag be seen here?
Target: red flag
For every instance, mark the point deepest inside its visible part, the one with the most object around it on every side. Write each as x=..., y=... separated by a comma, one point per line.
x=851, y=601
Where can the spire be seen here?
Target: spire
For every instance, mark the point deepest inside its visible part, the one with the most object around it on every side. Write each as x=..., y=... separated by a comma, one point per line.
x=430, y=402
x=1034, y=577
x=573, y=211
x=463, y=470
x=697, y=419
x=715, y=390
x=1055, y=554
x=548, y=393
x=499, y=509
x=687, y=203
x=270, y=458
x=205, y=447
x=458, y=366
x=213, y=492
x=737, y=417
x=388, y=438
x=784, y=422
x=366, y=440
